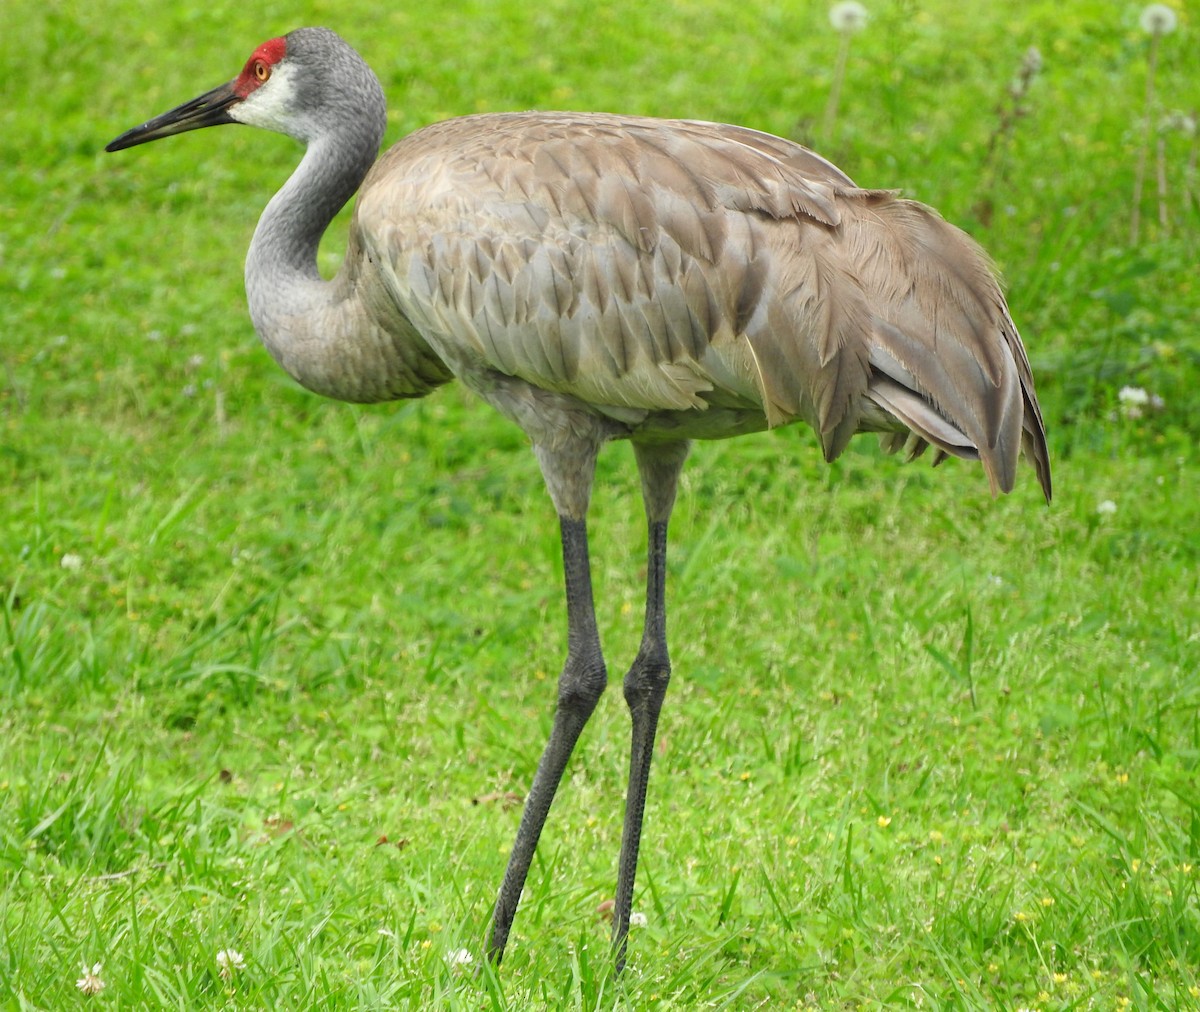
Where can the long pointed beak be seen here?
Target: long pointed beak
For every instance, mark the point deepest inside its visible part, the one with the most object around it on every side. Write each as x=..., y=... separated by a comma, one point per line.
x=210, y=109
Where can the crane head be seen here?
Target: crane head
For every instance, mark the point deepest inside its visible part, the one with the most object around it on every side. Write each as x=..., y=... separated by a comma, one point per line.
x=257, y=96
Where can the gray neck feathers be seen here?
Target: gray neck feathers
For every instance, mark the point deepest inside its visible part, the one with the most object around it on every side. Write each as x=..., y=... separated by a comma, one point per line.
x=320, y=331
x=281, y=265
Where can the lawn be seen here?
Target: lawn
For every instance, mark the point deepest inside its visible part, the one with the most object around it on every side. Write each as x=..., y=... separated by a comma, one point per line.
x=273, y=669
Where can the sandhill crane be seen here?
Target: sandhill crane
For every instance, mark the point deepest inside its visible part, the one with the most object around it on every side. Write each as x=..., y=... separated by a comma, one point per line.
x=598, y=277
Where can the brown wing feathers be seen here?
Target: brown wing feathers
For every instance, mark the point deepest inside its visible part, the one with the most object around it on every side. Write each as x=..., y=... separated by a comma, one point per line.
x=664, y=265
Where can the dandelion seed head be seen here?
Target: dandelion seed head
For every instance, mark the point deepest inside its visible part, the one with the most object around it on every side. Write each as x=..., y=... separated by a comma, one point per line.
x=90, y=982
x=849, y=16
x=1158, y=19
x=1106, y=507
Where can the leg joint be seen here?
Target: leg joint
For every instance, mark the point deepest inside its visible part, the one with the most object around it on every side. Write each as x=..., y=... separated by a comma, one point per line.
x=647, y=680
x=581, y=686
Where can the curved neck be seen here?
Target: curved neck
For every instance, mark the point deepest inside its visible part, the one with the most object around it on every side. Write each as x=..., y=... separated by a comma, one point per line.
x=322, y=332
x=281, y=264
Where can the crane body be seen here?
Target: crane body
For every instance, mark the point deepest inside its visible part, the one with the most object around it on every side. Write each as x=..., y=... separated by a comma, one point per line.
x=597, y=277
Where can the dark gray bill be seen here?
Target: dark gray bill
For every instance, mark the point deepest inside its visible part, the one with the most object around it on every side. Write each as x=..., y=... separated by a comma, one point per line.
x=210, y=109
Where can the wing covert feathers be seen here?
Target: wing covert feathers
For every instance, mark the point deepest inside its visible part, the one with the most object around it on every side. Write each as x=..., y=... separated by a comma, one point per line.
x=647, y=268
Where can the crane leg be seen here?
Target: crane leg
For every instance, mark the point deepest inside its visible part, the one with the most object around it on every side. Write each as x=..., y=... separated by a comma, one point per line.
x=580, y=686
x=646, y=682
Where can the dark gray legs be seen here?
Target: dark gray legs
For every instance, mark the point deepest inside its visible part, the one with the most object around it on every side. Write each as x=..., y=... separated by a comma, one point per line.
x=579, y=687
x=583, y=676
x=645, y=687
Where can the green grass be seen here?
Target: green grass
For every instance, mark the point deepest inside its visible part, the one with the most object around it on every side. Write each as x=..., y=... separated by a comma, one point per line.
x=260, y=652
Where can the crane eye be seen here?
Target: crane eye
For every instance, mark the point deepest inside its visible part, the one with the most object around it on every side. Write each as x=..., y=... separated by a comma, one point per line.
x=262, y=70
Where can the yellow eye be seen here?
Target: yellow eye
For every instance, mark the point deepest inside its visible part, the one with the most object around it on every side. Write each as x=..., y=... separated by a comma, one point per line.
x=261, y=70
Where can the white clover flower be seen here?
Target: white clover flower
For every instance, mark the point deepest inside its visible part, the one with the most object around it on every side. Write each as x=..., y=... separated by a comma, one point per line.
x=1132, y=400
x=72, y=562
x=229, y=961
x=848, y=16
x=1158, y=19
x=1184, y=122
x=1106, y=508
x=90, y=982
x=459, y=957
x=638, y=920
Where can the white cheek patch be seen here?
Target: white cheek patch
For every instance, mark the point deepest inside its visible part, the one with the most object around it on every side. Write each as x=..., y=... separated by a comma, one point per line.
x=271, y=106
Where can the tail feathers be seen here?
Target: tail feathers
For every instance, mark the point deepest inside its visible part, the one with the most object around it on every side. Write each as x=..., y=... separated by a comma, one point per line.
x=946, y=360
x=1033, y=427
x=921, y=420
x=1033, y=445
x=925, y=426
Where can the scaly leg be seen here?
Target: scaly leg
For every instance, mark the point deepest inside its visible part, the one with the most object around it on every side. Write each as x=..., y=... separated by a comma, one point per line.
x=646, y=682
x=580, y=686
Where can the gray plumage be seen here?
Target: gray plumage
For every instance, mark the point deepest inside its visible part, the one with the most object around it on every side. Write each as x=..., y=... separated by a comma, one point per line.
x=599, y=277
